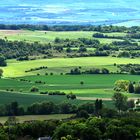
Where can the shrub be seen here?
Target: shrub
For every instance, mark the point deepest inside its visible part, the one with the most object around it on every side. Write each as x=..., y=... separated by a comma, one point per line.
x=137, y=89
x=71, y=96
x=46, y=73
x=56, y=93
x=81, y=83
x=51, y=73
x=34, y=89
x=82, y=114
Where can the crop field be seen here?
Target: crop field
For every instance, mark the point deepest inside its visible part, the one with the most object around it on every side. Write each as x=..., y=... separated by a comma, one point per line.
x=65, y=82
x=95, y=86
x=49, y=36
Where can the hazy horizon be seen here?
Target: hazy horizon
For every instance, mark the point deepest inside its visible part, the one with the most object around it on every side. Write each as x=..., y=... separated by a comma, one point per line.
x=121, y=12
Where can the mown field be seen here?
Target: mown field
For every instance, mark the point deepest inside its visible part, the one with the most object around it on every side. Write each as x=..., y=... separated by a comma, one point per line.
x=64, y=82
x=62, y=65
x=49, y=36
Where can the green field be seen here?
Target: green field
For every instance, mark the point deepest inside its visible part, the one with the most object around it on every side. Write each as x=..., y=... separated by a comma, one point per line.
x=95, y=86
x=49, y=36
x=58, y=65
x=22, y=119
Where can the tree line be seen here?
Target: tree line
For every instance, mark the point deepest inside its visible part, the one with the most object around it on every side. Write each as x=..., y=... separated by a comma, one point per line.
x=104, y=124
x=78, y=71
x=66, y=27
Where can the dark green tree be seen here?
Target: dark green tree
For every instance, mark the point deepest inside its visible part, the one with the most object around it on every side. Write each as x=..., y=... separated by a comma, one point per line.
x=1, y=73
x=98, y=106
x=82, y=114
x=137, y=89
x=131, y=88
x=120, y=101
x=2, y=61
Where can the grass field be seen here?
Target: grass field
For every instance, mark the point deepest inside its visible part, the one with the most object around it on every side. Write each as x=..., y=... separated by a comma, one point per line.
x=27, y=99
x=49, y=36
x=22, y=119
x=58, y=65
x=65, y=82
x=95, y=86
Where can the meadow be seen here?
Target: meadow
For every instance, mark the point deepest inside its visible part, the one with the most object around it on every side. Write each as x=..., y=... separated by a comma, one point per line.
x=49, y=36
x=63, y=65
x=95, y=86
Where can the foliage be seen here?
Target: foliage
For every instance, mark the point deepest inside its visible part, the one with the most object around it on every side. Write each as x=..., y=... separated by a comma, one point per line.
x=122, y=85
x=34, y=89
x=137, y=89
x=120, y=101
x=131, y=88
x=2, y=61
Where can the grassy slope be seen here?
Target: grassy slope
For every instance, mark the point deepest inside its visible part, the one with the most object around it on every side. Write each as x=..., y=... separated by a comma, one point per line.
x=95, y=86
x=49, y=36
x=27, y=99
x=16, y=68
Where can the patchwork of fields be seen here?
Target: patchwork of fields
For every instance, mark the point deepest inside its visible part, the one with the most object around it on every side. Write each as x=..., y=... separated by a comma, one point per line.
x=95, y=86
x=12, y=88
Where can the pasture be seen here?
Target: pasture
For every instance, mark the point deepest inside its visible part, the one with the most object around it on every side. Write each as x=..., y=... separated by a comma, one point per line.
x=63, y=65
x=95, y=86
x=49, y=36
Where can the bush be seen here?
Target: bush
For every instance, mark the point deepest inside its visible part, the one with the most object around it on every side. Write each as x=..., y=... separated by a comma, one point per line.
x=34, y=89
x=2, y=61
x=1, y=73
x=137, y=89
x=71, y=96
x=56, y=93
x=46, y=92
x=105, y=71
x=82, y=114
x=81, y=83
x=46, y=73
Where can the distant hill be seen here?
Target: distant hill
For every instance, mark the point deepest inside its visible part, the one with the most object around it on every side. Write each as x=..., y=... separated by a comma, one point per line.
x=121, y=12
